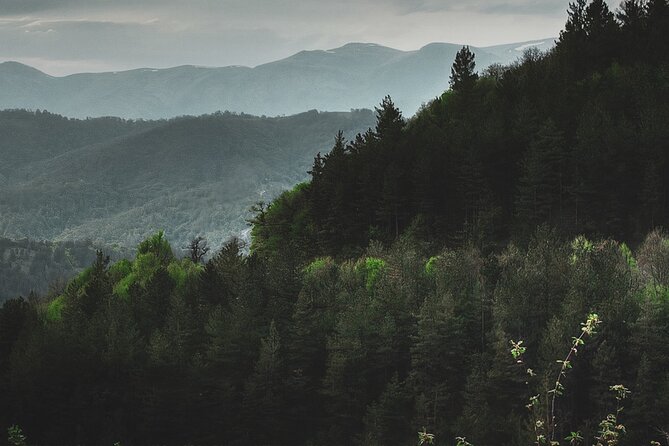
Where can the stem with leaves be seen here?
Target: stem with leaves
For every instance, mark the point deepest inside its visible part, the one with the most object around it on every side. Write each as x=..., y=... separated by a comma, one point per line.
x=425, y=438
x=610, y=429
x=587, y=329
x=544, y=429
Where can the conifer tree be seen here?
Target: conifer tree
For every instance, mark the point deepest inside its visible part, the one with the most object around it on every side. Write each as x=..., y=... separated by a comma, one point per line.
x=572, y=38
x=602, y=34
x=389, y=121
x=463, y=71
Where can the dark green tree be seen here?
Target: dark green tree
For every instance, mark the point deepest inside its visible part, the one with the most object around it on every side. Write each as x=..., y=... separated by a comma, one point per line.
x=463, y=71
x=389, y=121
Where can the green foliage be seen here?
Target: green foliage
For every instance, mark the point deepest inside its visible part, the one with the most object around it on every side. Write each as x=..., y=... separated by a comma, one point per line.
x=425, y=438
x=431, y=265
x=157, y=245
x=15, y=436
x=285, y=225
x=146, y=265
x=81, y=279
x=372, y=268
x=122, y=287
x=316, y=266
x=628, y=255
x=54, y=310
x=184, y=272
x=462, y=441
x=581, y=247
x=120, y=269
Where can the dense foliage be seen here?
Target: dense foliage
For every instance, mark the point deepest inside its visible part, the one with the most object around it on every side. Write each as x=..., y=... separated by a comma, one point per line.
x=380, y=298
x=249, y=350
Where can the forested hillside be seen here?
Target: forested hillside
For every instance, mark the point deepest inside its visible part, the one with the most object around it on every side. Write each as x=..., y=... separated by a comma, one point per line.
x=115, y=182
x=247, y=350
x=488, y=273
x=577, y=138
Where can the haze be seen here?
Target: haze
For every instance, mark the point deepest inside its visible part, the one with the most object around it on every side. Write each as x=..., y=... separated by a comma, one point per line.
x=67, y=36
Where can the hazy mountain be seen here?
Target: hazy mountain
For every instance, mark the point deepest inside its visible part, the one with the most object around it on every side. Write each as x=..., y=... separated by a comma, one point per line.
x=354, y=76
x=115, y=182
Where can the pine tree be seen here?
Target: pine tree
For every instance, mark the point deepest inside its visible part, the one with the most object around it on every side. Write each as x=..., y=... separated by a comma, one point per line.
x=572, y=39
x=632, y=15
x=463, y=74
x=389, y=121
x=599, y=19
x=602, y=34
x=574, y=29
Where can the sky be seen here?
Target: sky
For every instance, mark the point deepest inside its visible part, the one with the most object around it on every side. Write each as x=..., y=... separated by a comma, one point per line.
x=68, y=36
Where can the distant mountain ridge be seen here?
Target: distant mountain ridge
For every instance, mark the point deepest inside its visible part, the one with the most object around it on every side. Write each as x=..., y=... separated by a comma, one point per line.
x=353, y=76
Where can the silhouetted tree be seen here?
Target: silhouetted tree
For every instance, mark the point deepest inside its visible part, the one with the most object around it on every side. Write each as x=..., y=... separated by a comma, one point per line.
x=463, y=72
x=197, y=249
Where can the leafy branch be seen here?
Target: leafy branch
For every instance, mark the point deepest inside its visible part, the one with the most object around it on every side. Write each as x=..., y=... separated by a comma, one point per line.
x=544, y=429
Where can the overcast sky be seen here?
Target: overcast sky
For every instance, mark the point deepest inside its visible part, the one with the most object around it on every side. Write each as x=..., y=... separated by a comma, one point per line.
x=67, y=36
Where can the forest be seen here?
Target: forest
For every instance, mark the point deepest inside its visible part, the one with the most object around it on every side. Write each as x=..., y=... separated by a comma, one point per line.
x=116, y=181
x=492, y=271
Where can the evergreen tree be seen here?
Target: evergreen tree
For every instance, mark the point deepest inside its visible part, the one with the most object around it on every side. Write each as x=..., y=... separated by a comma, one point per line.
x=463, y=72
x=602, y=31
x=389, y=121
x=573, y=39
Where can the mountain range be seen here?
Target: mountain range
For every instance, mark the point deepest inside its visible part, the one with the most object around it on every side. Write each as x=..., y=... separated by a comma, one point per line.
x=356, y=75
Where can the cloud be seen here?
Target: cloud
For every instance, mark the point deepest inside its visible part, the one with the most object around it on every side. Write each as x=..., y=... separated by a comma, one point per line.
x=8, y=7
x=524, y=7
x=157, y=33
x=66, y=46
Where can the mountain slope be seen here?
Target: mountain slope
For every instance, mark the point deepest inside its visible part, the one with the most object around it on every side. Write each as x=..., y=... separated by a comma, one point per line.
x=353, y=76
x=188, y=176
